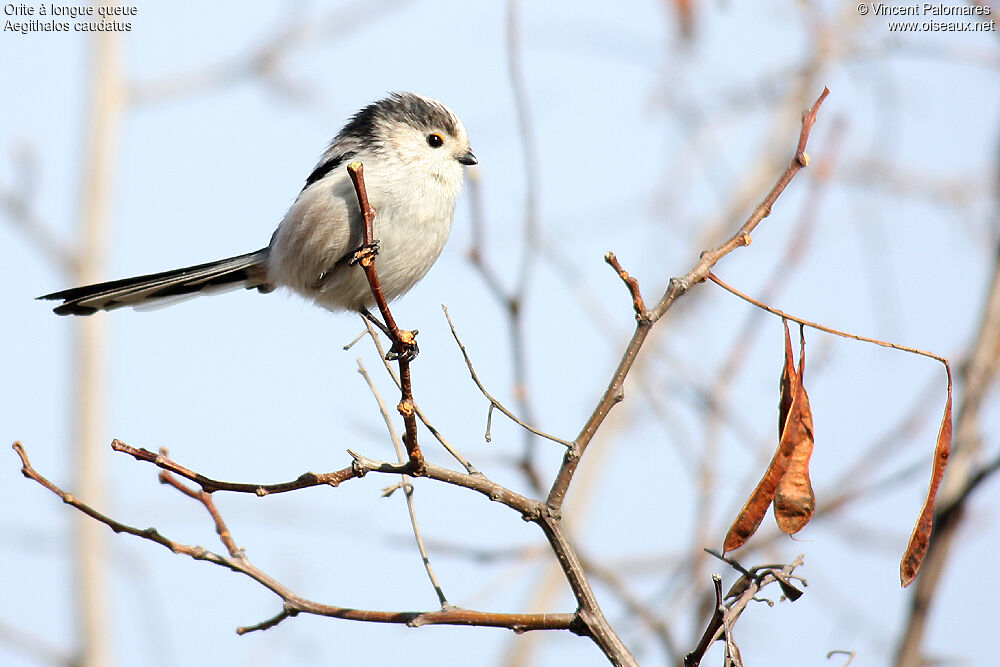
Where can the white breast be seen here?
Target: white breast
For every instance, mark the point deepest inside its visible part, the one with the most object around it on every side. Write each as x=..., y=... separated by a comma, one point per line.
x=413, y=217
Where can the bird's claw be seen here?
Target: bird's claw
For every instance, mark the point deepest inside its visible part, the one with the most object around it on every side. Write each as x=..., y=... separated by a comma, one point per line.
x=365, y=252
x=404, y=349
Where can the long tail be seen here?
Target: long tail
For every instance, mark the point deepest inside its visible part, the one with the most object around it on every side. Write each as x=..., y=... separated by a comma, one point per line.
x=247, y=271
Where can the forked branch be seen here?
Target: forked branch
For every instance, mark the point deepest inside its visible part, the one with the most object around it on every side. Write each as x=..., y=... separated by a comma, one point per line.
x=678, y=287
x=404, y=343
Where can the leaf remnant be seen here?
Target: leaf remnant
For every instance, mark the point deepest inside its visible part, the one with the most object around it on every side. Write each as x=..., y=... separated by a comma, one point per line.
x=921, y=535
x=786, y=480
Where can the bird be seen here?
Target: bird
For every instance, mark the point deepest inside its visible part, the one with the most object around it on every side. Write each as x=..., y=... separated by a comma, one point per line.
x=414, y=150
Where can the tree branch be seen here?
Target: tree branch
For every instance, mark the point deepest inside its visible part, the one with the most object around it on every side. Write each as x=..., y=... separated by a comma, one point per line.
x=294, y=604
x=404, y=344
x=678, y=287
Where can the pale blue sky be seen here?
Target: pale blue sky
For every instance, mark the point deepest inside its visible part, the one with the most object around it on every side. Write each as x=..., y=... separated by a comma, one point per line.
x=252, y=388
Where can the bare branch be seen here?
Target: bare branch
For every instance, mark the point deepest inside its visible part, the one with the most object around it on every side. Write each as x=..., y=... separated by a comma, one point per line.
x=630, y=282
x=819, y=327
x=512, y=300
x=420, y=414
x=209, y=485
x=494, y=402
x=404, y=344
x=693, y=659
x=744, y=591
x=205, y=498
x=294, y=604
x=678, y=286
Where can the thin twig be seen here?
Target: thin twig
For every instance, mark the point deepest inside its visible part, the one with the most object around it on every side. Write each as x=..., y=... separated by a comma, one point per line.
x=384, y=411
x=366, y=256
x=424, y=558
x=741, y=238
x=850, y=655
x=752, y=581
x=420, y=414
x=630, y=282
x=819, y=327
x=512, y=300
x=205, y=498
x=268, y=623
x=493, y=401
x=361, y=466
x=407, y=487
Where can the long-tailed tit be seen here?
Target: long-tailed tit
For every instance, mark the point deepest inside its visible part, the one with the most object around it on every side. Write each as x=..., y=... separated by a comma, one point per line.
x=413, y=149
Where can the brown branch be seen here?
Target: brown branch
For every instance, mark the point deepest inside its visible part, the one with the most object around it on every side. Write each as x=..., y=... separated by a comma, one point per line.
x=205, y=498
x=210, y=485
x=709, y=258
x=630, y=282
x=744, y=591
x=404, y=344
x=369, y=249
x=589, y=619
x=717, y=397
x=269, y=623
x=614, y=392
x=361, y=466
x=693, y=659
x=294, y=604
x=611, y=578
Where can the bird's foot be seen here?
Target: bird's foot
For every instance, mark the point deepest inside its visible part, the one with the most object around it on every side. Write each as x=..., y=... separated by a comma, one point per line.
x=404, y=349
x=365, y=254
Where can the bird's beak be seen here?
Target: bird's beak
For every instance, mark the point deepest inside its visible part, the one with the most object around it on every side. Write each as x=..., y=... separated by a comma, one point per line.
x=468, y=159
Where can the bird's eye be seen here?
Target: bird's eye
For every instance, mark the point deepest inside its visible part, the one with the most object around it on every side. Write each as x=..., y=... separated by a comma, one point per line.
x=435, y=140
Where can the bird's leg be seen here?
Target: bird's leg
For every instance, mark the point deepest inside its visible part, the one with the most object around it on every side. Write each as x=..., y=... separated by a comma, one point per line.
x=365, y=313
